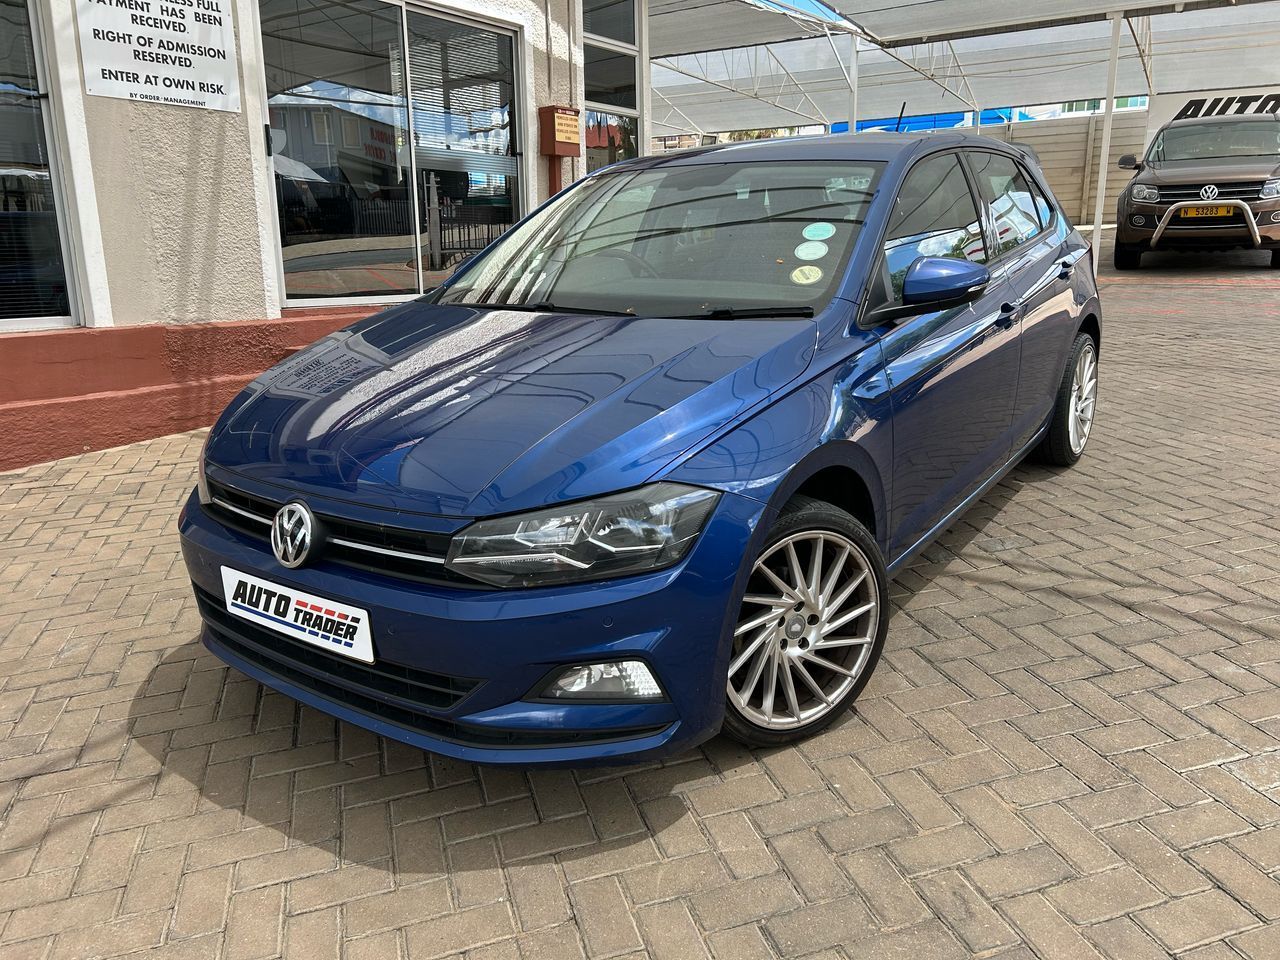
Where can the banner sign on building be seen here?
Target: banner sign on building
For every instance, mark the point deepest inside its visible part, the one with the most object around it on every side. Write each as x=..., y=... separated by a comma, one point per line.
x=1238, y=101
x=160, y=51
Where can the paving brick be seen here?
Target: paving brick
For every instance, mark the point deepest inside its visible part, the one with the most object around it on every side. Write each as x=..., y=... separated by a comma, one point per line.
x=1103, y=896
x=1198, y=919
x=840, y=922
x=966, y=911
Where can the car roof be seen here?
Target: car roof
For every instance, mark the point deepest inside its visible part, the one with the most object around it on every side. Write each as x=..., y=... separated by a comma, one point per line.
x=1247, y=118
x=872, y=146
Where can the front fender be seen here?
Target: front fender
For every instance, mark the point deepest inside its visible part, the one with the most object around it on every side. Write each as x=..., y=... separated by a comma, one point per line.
x=839, y=418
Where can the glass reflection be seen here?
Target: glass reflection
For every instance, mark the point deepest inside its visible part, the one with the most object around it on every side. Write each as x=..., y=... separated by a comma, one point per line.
x=610, y=138
x=339, y=119
x=464, y=146
x=33, y=280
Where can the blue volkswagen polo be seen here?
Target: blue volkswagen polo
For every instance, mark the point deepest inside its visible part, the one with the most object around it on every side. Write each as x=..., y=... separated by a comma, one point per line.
x=641, y=471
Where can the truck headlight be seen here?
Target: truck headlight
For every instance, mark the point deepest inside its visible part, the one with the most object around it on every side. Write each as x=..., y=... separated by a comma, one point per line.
x=1270, y=190
x=645, y=529
x=1144, y=193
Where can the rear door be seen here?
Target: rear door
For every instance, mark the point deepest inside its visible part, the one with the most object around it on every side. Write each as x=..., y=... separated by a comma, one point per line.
x=952, y=373
x=1030, y=254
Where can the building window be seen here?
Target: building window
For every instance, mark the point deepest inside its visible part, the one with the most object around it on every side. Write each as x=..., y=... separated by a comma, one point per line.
x=610, y=67
x=411, y=160
x=610, y=137
x=612, y=19
x=610, y=76
x=33, y=276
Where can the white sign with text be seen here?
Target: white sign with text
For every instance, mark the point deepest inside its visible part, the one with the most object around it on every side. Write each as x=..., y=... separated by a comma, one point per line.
x=1237, y=101
x=160, y=51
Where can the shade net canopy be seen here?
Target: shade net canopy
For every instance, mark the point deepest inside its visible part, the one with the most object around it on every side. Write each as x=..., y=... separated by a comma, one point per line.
x=984, y=54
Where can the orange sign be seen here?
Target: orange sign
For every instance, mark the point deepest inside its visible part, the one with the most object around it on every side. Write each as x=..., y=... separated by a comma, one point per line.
x=559, y=132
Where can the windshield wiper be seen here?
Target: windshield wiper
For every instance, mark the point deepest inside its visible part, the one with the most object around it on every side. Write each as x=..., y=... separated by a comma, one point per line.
x=754, y=313
x=543, y=306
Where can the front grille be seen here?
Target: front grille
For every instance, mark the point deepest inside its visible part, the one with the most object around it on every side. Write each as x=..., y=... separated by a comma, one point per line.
x=407, y=554
x=1179, y=192
x=406, y=685
x=379, y=690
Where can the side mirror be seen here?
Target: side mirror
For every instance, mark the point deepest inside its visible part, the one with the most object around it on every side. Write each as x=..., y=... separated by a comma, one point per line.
x=1127, y=161
x=931, y=284
x=936, y=283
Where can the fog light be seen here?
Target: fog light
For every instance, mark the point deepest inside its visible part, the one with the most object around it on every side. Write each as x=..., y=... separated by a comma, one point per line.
x=618, y=680
x=1138, y=221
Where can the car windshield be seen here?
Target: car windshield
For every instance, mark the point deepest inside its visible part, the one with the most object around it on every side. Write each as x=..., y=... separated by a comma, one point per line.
x=1211, y=141
x=705, y=239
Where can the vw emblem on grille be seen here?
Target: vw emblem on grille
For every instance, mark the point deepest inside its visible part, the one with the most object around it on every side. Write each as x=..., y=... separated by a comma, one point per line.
x=292, y=531
x=1209, y=192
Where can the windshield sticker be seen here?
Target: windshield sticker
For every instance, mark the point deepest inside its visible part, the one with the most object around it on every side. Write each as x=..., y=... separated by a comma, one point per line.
x=818, y=231
x=806, y=275
x=811, y=250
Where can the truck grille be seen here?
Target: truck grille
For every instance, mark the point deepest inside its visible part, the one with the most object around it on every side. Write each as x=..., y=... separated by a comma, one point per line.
x=1179, y=192
x=409, y=554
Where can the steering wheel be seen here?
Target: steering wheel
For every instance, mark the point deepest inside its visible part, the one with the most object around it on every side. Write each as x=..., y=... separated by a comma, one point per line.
x=617, y=253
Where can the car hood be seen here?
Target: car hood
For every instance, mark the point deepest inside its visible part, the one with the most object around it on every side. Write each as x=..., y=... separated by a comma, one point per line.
x=1206, y=171
x=463, y=411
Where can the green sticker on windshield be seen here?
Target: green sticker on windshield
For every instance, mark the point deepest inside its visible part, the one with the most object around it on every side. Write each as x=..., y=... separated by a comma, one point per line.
x=811, y=250
x=806, y=275
x=818, y=231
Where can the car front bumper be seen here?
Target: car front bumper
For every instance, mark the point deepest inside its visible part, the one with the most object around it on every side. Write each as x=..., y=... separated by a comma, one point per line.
x=1159, y=226
x=481, y=653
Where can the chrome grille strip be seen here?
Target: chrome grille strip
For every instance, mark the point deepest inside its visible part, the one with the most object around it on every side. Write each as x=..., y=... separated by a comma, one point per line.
x=256, y=517
x=1226, y=191
x=386, y=551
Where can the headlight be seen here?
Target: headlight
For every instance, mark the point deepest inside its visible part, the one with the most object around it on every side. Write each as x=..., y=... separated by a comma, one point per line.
x=1140, y=191
x=1270, y=190
x=614, y=536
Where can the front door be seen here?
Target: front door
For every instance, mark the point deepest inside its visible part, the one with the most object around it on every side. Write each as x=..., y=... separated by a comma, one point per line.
x=953, y=374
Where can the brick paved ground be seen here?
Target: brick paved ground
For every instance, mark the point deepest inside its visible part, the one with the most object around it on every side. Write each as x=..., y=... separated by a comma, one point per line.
x=1072, y=748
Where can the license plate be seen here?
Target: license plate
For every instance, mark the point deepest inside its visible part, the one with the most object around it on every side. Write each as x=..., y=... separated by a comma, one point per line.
x=1206, y=211
x=329, y=625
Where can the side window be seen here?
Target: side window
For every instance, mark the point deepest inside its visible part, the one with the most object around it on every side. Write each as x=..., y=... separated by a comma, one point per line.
x=1011, y=206
x=933, y=216
x=1043, y=207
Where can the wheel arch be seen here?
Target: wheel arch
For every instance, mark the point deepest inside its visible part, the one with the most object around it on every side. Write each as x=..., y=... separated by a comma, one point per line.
x=843, y=474
x=1089, y=324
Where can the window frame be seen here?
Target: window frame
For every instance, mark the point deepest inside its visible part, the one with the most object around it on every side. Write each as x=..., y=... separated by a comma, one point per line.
x=985, y=212
x=879, y=278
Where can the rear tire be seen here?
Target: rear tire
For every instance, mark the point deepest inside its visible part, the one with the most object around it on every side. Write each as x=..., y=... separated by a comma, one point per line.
x=1125, y=257
x=1074, y=407
x=811, y=627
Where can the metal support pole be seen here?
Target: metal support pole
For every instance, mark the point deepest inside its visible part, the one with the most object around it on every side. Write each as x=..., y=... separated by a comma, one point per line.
x=1104, y=155
x=853, y=83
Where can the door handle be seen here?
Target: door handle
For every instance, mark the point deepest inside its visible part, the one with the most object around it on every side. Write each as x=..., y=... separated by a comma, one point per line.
x=1065, y=269
x=1009, y=314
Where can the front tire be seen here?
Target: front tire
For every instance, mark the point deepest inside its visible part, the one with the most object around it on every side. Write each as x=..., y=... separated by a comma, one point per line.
x=811, y=627
x=1125, y=257
x=1074, y=406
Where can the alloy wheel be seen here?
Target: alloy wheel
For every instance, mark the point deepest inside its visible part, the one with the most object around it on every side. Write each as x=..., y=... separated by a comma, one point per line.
x=1084, y=394
x=805, y=631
